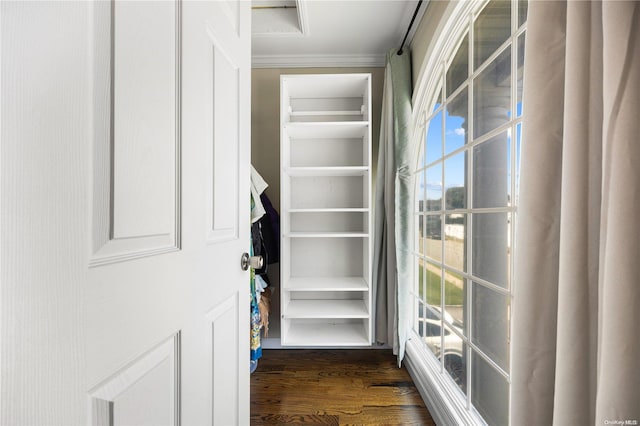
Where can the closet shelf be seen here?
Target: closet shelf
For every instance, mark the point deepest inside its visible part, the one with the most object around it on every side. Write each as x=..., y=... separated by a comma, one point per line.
x=331, y=210
x=326, y=235
x=329, y=308
x=327, y=171
x=328, y=113
x=326, y=129
x=326, y=334
x=327, y=284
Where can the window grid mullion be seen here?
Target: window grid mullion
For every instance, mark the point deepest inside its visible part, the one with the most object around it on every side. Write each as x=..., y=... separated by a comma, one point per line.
x=489, y=361
x=445, y=103
x=514, y=139
x=469, y=306
x=425, y=264
x=489, y=285
x=490, y=59
x=470, y=277
x=459, y=90
x=430, y=115
x=481, y=353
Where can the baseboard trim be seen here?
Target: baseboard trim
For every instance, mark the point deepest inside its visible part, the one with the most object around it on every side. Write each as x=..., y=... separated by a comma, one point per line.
x=274, y=343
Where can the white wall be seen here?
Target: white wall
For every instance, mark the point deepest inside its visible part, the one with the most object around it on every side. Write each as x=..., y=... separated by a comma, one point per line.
x=421, y=43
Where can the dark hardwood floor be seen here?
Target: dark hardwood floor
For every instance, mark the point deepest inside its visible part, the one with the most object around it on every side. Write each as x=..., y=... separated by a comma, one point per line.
x=334, y=387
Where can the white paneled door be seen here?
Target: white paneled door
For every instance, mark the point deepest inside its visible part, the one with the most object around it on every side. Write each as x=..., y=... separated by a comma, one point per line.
x=124, y=169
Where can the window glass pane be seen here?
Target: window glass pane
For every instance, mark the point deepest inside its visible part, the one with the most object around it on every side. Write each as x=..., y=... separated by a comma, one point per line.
x=422, y=284
x=420, y=225
x=455, y=233
x=432, y=243
x=422, y=248
x=455, y=354
x=492, y=95
x=455, y=181
x=432, y=290
x=421, y=191
x=489, y=257
x=518, y=144
x=490, y=325
x=455, y=294
x=491, y=166
x=430, y=328
x=520, y=74
x=458, y=70
x=491, y=29
x=509, y=171
x=522, y=11
x=489, y=392
x=436, y=106
x=456, y=121
x=416, y=318
x=422, y=158
x=434, y=187
x=434, y=138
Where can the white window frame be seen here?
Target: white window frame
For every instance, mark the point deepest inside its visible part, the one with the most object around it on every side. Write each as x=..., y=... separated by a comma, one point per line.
x=446, y=402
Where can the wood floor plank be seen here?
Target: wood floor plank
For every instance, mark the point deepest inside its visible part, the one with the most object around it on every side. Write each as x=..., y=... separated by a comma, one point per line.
x=334, y=387
x=295, y=419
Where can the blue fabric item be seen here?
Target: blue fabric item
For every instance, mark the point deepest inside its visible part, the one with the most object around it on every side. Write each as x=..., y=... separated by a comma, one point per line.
x=261, y=284
x=254, y=333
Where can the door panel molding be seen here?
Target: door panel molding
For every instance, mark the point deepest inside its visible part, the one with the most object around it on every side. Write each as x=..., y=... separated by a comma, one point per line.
x=109, y=399
x=232, y=13
x=136, y=148
x=225, y=363
x=223, y=157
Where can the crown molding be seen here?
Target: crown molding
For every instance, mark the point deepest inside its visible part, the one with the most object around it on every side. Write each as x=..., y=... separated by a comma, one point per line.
x=318, y=61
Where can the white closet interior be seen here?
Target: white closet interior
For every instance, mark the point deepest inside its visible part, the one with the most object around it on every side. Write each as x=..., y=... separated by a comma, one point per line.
x=325, y=210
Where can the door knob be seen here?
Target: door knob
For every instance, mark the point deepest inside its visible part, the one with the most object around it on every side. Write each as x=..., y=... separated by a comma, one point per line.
x=247, y=261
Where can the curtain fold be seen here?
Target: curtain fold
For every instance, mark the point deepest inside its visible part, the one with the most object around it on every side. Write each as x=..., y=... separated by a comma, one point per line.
x=575, y=346
x=392, y=271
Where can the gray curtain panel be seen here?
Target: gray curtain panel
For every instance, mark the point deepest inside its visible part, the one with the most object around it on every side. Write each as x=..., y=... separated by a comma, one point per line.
x=575, y=343
x=392, y=271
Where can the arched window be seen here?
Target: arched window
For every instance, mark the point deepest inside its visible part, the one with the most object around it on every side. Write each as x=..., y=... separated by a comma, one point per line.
x=466, y=197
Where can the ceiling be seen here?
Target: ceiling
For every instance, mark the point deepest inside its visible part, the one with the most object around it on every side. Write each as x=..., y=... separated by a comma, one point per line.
x=328, y=33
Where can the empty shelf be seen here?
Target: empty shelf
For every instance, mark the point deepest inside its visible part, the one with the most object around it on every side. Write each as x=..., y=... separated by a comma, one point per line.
x=327, y=235
x=312, y=113
x=327, y=171
x=326, y=334
x=331, y=210
x=327, y=130
x=321, y=308
x=326, y=284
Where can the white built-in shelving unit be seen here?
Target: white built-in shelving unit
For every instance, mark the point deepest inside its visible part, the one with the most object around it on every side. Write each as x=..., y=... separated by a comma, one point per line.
x=325, y=143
